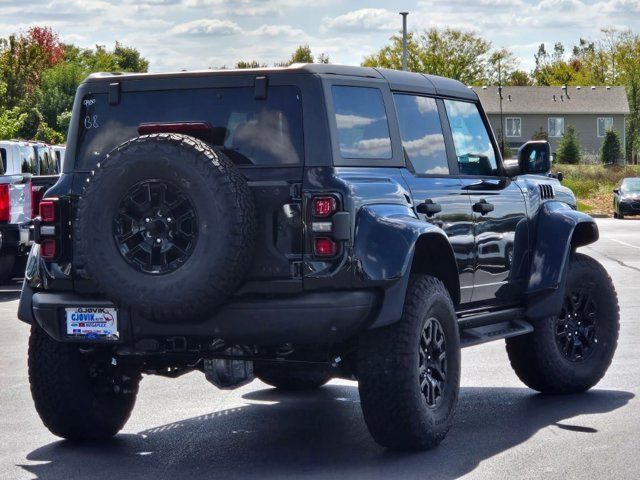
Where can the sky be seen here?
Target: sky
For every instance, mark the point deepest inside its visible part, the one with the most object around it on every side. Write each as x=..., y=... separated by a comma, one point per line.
x=199, y=34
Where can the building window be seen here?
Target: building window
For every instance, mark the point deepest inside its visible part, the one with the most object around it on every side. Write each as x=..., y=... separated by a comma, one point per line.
x=604, y=124
x=556, y=127
x=514, y=127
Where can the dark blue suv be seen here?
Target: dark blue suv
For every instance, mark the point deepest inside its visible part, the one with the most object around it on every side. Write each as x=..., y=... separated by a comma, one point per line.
x=300, y=224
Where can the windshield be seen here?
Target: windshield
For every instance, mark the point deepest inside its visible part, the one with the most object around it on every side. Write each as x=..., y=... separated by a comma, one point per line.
x=631, y=185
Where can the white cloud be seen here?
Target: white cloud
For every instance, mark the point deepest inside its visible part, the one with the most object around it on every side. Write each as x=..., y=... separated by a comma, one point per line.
x=363, y=19
x=212, y=27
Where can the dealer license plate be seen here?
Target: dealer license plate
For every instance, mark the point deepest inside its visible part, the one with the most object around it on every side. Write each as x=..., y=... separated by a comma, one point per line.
x=92, y=322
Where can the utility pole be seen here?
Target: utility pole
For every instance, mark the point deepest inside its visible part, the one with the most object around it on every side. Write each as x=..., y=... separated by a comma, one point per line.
x=404, y=40
x=502, y=126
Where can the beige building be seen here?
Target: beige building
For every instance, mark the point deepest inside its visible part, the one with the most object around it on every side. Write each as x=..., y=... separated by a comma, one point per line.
x=525, y=110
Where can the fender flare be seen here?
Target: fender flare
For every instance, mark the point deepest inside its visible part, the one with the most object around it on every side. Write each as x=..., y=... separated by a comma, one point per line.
x=559, y=231
x=385, y=244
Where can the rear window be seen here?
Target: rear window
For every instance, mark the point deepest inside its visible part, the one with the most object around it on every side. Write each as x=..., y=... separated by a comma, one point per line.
x=361, y=119
x=249, y=131
x=48, y=163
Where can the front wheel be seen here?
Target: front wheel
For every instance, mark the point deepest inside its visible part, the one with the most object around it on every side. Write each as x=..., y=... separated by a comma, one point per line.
x=409, y=372
x=571, y=352
x=79, y=395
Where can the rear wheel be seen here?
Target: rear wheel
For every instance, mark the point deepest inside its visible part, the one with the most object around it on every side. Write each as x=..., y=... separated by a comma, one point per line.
x=79, y=395
x=409, y=372
x=571, y=352
x=292, y=377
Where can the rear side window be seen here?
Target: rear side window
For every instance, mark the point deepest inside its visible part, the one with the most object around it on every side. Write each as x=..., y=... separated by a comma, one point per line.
x=421, y=131
x=3, y=157
x=472, y=141
x=28, y=160
x=248, y=130
x=363, y=129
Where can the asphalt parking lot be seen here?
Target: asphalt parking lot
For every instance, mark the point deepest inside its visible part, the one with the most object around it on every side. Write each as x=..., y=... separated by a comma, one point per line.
x=185, y=428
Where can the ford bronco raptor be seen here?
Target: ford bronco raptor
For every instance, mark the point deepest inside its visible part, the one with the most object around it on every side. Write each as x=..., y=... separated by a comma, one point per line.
x=296, y=225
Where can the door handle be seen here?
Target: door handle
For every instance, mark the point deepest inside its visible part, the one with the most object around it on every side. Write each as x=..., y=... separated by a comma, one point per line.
x=483, y=207
x=429, y=208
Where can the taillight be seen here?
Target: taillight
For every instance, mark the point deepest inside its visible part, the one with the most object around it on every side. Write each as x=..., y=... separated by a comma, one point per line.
x=324, y=247
x=324, y=206
x=47, y=211
x=5, y=203
x=48, y=249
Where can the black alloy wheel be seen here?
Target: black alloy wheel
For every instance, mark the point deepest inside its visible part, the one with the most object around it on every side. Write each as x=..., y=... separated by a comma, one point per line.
x=432, y=362
x=576, y=330
x=155, y=227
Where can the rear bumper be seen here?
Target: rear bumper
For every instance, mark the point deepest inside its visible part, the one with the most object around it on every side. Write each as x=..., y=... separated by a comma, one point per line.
x=308, y=318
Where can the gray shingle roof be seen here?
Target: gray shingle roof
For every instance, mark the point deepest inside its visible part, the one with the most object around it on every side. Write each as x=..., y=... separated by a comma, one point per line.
x=583, y=100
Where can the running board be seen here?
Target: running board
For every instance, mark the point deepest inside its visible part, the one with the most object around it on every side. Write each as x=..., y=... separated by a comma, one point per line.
x=488, y=326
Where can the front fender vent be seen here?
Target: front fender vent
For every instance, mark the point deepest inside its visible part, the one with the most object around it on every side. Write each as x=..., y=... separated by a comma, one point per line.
x=546, y=191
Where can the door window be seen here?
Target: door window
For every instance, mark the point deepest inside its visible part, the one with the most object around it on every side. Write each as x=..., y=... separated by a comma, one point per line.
x=421, y=132
x=474, y=149
x=363, y=129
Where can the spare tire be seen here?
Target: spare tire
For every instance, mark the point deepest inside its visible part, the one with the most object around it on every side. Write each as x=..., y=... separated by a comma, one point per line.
x=166, y=226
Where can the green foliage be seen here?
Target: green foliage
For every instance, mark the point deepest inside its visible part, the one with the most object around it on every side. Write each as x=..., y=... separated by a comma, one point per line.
x=569, y=147
x=448, y=52
x=11, y=122
x=303, y=54
x=39, y=77
x=611, y=149
x=252, y=64
x=47, y=134
x=540, y=134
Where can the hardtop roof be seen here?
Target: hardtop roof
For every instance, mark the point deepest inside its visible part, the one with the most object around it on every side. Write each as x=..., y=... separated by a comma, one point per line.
x=398, y=80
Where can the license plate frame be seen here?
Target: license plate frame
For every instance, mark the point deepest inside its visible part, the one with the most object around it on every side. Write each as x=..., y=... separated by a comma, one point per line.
x=92, y=322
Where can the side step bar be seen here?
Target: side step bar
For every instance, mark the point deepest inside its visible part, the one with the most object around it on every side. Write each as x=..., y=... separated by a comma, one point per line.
x=487, y=326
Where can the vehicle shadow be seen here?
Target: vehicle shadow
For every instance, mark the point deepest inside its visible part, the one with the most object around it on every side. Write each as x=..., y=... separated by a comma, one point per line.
x=318, y=435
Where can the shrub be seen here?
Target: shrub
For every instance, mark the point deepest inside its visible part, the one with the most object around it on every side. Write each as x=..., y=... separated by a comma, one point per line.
x=611, y=149
x=540, y=135
x=569, y=147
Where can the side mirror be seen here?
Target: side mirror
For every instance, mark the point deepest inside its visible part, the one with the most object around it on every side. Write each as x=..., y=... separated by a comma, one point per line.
x=535, y=157
x=616, y=191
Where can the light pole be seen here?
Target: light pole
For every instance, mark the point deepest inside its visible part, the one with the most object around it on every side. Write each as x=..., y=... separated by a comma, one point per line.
x=404, y=40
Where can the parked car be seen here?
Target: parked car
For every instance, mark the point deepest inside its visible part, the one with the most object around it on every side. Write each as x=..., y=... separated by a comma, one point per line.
x=27, y=168
x=296, y=225
x=626, y=198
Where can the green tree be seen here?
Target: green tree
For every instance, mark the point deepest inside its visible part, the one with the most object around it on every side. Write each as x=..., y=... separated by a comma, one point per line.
x=46, y=134
x=251, y=64
x=58, y=89
x=569, y=147
x=448, y=52
x=11, y=122
x=519, y=78
x=611, y=149
x=540, y=134
x=302, y=54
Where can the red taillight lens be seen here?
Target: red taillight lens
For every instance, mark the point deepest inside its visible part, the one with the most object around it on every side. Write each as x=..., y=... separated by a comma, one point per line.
x=48, y=249
x=5, y=203
x=324, y=247
x=47, y=211
x=324, y=206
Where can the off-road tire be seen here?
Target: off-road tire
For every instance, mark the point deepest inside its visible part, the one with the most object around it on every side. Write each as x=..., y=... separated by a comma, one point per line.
x=79, y=396
x=394, y=407
x=7, y=265
x=537, y=358
x=292, y=377
x=225, y=226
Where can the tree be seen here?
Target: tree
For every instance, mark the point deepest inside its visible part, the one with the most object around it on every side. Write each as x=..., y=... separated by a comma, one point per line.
x=611, y=149
x=47, y=40
x=519, y=78
x=569, y=147
x=47, y=134
x=58, y=89
x=252, y=64
x=11, y=122
x=540, y=134
x=301, y=55
x=448, y=52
